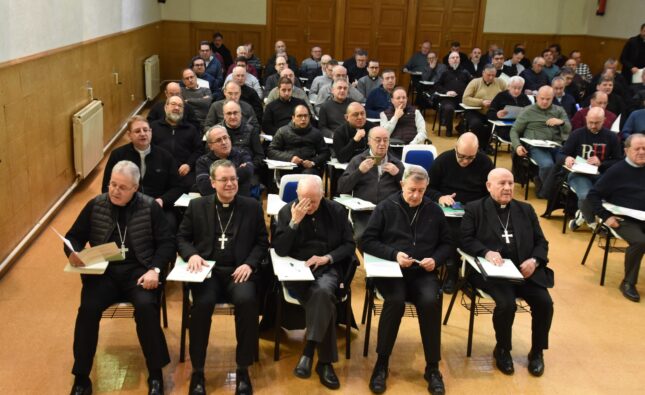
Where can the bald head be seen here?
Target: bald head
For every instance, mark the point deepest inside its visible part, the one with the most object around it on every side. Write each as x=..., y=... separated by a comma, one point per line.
x=544, y=97
x=339, y=72
x=466, y=149
x=173, y=89
x=595, y=119
x=498, y=173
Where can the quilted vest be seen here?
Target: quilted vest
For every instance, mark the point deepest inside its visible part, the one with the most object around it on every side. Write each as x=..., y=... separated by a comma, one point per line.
x=406, y=128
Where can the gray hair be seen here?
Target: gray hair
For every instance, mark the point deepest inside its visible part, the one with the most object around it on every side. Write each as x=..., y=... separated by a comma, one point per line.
x=516, y=79
x=311, y=179
x=628, y=141
x=129, y=169
x=217, y=164
x=218, y=126
x=416, y=173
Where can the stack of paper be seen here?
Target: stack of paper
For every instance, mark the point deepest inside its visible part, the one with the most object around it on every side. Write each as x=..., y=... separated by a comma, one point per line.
x=377, y=267
x=507, y=270
x=540, y=143
x=581, y=166
x=289, y=269
x=180, y=272
x=354, y=203
x=266, y=137
x=279, y=164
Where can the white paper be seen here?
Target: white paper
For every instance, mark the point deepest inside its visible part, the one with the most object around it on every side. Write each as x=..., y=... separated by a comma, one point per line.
x=426, y=82
x=92, y=268
x=637, y=77
x=540, y=143
x=356, y=204
x=279, y=164
x=336, y=164
x=328, y=140
x=507, y=270
x=185, y=198
x=68, y=244
x=513, y=112
x=266, y=137
x=630, y=212
x=500, y=123
x=377, y=267
x=453, y=213
x=289, y=269
x=180, y=272
x=274, y=204
x=615, y=127
x=581, y=166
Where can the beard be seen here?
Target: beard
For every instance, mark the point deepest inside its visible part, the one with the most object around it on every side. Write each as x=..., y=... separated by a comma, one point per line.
x=174, y=117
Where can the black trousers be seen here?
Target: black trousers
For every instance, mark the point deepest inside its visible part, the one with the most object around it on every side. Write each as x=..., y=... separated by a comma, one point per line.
x=454, y=262
x=98, y=293
x=319, y=300
x=448, y=106
x=504, y=293
x=633, y=232
x=221, y=287
x=421, y=288
x=479, y=125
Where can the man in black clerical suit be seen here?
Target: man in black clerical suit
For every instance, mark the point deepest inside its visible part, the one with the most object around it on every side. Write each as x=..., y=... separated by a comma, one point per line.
x=497, y=228
x=230, y=230
x=136, y=223
x=317, y=231
x=410, y=229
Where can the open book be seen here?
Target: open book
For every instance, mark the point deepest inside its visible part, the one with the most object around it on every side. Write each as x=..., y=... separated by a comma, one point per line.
x=95, y=258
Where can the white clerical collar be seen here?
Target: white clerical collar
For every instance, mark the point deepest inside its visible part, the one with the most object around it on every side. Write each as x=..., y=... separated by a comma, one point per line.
x=632, y=164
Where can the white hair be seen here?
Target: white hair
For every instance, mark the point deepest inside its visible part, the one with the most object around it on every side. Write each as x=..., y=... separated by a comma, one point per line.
x=129, y=169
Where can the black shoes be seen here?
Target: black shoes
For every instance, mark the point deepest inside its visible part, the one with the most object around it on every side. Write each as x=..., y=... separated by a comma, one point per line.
x=327, y=375
x=435, y=382
x=243, y=382
x=449, y=286
x=303, y=368
x=197, y=384
x=630, y=292
x=503, y=360
x=377, y=381
x=536, y=363
x=155, y=387
x=80, y=389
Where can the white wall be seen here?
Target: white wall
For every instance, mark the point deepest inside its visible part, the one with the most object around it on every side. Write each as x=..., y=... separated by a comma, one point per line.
x=251, y=12
x=40, y=25
x=622, y=18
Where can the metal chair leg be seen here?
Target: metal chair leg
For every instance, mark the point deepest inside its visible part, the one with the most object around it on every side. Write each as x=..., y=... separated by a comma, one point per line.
x=348, y=326
x=593, y=236
x=452, y=300
x=368, y=326
x=471, y=324
x=605, y=257
x=185, y=311
x=278, y=328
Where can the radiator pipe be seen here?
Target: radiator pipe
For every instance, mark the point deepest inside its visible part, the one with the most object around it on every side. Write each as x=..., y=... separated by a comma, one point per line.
x=35, y=230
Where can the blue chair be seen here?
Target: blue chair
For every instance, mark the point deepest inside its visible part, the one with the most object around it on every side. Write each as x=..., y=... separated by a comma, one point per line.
x=419, y=154
x=288, y=186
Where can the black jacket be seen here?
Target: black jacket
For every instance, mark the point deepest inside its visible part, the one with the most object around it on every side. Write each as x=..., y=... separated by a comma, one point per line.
x=157, y=112
x=307, y=143
x=344, y=145
x=183, y=141
x=244, y=173
x=369, y=186
x=247, y=139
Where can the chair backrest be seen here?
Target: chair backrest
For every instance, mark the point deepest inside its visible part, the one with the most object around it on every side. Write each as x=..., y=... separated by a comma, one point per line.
x=419, y=154
x=288, y=186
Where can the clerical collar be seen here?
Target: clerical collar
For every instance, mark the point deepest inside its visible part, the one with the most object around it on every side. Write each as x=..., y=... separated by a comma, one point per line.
x=500, y=207
x=145, y=151
x=224, y=205
x=373, y=78
x=632, y=164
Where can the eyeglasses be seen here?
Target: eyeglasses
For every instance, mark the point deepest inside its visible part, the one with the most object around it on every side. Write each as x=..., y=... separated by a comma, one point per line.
x=227, y=180
x=219, y=140
x=465, y=157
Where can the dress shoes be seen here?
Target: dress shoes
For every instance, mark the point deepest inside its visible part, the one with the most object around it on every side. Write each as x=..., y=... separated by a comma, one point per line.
x=377, y=381
x=243, y=383
x=155, y=387
x=197, y=384
x=435, y=382
x=327, y=375
x=536, y=363
x=503, y=360
x=303, y=368
x=79, y=389
x=630, y=292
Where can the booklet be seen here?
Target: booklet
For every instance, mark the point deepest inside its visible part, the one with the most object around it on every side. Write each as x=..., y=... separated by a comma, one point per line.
x=507, y=270
x=290, y=269
x=581, y=166
x=377, y=267
x=180, y=272
x=95, y=258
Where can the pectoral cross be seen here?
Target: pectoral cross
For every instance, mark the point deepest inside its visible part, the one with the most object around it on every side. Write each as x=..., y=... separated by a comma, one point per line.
x=123, y=250
x=507, y=236
x=222, y=239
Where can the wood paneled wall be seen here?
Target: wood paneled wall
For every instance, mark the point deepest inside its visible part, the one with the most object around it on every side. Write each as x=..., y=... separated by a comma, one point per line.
x=38, y=96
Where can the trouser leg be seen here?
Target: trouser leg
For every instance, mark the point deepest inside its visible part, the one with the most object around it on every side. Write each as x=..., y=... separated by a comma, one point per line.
x=634, y=233
x=541, y=304
x=393, y=291
x=204, y=298
x=504, y=314
x=582, y=184
x=424, y=293
x=244, y=297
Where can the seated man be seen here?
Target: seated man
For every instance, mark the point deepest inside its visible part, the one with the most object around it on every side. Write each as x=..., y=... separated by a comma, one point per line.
x=411, y=230
x=220, y=146
x=417, y=61
x=320, y=81
x=513, y=66
x=252, y=58
x=180, y=139
x=615, y=102
x=404, y=123
x=561, y=98
x=452, y=82
x=243, y=135
x=317, y=231
x=213, y=66
x=272, y=81
x=624, y=185
x=498, y=63
x=550, y=68
x=158, y=169
x=380, y=98
x=480, y=92
x=238, y=252
x=280, y=50
x=300, y=143
x=498, y=227
x=541, y=121
x=219, y=49
x=457, y=177
x=158, y=110
x=203, y=78
x=232, y=92
x=574, y=85
x=358, y=69
x=433, y=68
x=324, y=93
x=598, y=99
x=635, y=123
x=296, y=91
x=512, y=96
x=372, y=175
x=331, y=113
x=582, y=69
x=535, y=77
x=278, y=112
x=136, y=223
x=475, y=64
x=350, y=138
x=455, y=46
x=599, y=147
x=250, y=80
x=196, y=97
x=242, y=52
x=247, y=94
x=371, y=81
x=310, y=67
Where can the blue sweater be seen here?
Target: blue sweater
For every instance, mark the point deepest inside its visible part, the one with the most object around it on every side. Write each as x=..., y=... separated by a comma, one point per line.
x=634, y=124
x=622, y=185
x=377, y=102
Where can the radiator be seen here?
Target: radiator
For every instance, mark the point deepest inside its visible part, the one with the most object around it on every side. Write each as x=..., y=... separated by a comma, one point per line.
x=151, y=76
x=88, y=138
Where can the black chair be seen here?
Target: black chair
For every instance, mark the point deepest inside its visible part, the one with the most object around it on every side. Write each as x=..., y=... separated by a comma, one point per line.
x=607, y=233
x=474, y=300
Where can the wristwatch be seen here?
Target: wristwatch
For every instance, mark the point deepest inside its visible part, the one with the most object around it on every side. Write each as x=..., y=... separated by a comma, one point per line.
x=156, y=269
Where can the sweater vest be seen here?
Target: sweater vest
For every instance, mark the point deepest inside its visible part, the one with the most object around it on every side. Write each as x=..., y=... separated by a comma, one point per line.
x=406, y=127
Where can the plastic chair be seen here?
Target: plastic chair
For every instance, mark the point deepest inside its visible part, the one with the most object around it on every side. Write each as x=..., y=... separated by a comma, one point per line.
x=288, y=186
x=419, y=154
x=607, y=233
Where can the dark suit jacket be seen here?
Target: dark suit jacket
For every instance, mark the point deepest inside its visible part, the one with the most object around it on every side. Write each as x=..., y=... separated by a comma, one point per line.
x=479, y=234
x=196, y=232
